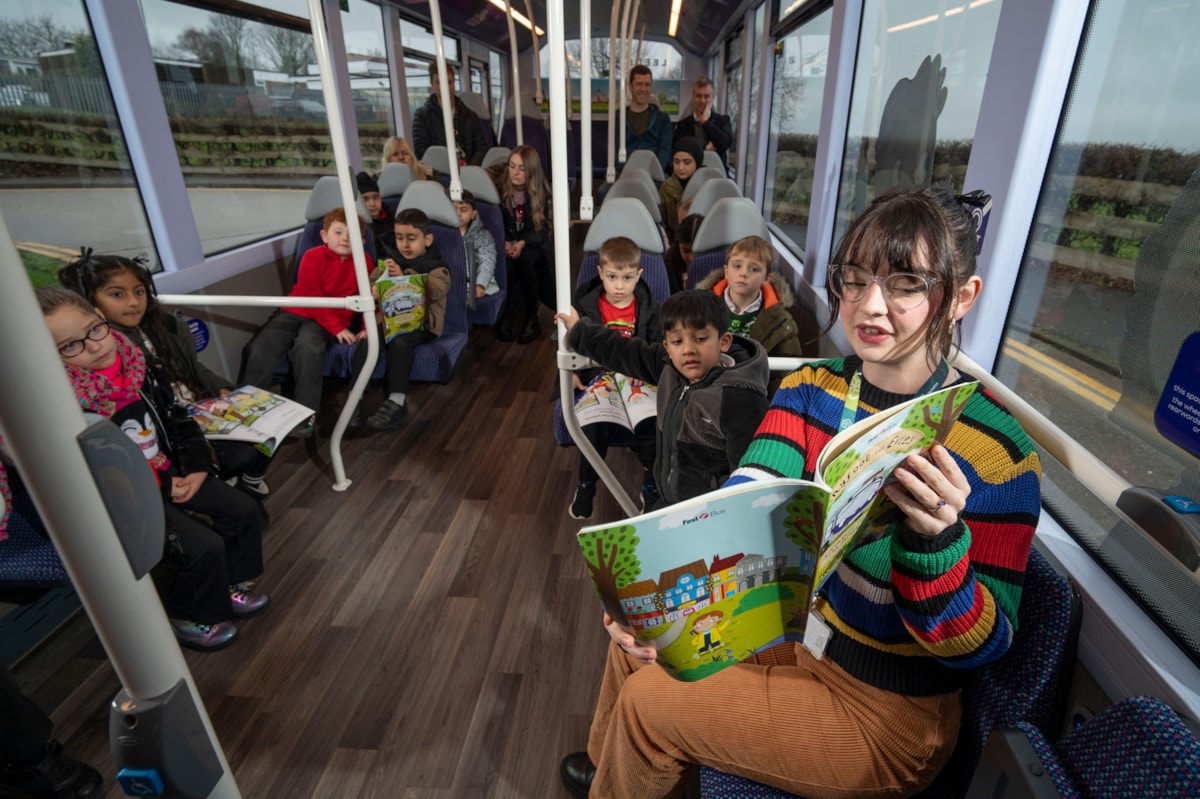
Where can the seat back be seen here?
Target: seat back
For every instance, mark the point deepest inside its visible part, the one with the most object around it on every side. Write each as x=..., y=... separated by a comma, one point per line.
x=647, y=160
x=702, y=176
x=712, y=191
x=728, y=220
x=394, y=179
x=28, y=558
x=438, y=157
x=711, y=158
x=626, y=216
x=639, y=174
x=496, y=155
x=475, y=102
x=639, y=191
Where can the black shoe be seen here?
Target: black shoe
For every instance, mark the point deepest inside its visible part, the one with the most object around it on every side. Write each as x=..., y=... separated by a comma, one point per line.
x=504, y=330
x=581, y=506
x=55, y=776
x=357, y=419
x=531, y=331
x=577, y=773
x=389, y=416
x=649, y=496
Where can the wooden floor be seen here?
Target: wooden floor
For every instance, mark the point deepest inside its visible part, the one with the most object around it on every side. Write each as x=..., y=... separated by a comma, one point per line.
x=432, y=631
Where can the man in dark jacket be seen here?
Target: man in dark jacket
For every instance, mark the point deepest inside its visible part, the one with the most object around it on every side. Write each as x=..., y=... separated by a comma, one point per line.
x=714, y=131
x=429, y=127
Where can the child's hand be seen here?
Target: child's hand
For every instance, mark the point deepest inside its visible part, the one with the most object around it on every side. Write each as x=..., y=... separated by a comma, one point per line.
x=184, y=488
x=568, y=319
x=346, y=337
x=479, y=292
x=579, y=386
x=360, y=335
x=223, y=393
x=393, y=268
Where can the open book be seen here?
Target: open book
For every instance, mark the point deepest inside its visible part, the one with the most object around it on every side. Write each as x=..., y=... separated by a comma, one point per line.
x=402, y=300
x=714, y=579
x=613, y=397
x=249, y=414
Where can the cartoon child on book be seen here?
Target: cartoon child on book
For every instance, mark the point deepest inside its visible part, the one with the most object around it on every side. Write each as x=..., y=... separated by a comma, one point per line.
x=706, y=631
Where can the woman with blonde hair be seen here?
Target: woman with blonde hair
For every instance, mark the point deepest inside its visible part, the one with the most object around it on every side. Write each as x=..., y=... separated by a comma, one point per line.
x=398, y=150
x=525, y=203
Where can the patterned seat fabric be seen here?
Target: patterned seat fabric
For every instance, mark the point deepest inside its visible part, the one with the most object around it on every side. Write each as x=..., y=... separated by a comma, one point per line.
x=1027, y=685
x=28, y=558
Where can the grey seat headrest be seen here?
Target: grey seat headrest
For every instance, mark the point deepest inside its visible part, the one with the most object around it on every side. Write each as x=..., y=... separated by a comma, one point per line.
x=730, y=219
x=624, y=216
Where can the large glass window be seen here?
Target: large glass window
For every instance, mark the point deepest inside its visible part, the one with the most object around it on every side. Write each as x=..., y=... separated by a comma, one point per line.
x=754, y=55
x=918, y=85
x=247, y=115
x=496, y=73
x=370, y=81
x=800, y=63
x=733, y=92
x=67, y=179
x=1109, y=292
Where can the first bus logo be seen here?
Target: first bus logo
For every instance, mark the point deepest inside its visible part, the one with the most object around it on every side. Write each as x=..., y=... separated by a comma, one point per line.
x=702, y=516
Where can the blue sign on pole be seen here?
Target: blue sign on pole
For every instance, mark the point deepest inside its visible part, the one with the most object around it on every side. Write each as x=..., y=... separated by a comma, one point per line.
x=1177, y=416
x=199, y=332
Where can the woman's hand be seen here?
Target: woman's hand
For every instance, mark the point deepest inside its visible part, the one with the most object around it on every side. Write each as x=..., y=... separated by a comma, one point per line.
x=514, y=249
x=624, y=637
x=931, y=492
x=184, y=488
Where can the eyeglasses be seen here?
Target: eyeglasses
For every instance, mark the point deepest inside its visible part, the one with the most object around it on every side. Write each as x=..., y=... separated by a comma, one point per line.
x=901, y=290
x=97, y=332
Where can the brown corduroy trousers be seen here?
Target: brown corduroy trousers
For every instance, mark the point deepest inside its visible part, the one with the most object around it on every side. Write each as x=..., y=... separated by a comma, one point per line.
x=783, y=718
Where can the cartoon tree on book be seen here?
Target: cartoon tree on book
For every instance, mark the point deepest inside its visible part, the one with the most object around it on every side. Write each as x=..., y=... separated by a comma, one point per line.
x=804, y=526
x=611, y=556
x=941, y=428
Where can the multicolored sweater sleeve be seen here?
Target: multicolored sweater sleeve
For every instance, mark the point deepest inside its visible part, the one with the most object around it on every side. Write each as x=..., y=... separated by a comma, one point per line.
x=914, y=614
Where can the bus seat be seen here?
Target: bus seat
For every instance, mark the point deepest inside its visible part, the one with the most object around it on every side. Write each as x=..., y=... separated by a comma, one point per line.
x=1136, y=747
x=496, y=155
x=729, y=219
x=639, y=174
x=647, y=160
x=475, y=102
x=620, y=216
x=639, y=191
x=701, y=176
x=394, y=179
x=712, y=191
x=1028, y=684
x=438, y=157
x=712, y=159
x=487, y=203
x=28, y=558
x=326, y=196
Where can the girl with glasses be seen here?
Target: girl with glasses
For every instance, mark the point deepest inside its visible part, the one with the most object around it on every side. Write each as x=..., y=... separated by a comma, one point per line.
x=203, y=581
x=930, y=592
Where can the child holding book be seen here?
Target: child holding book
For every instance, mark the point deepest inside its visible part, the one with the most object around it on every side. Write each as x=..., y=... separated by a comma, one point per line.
x=212, y=566
x=481, y=250
x=712, y=388
x=619, y=300
x=123, y=290
x=304, y=333
x=415, y=255
x=930, y=597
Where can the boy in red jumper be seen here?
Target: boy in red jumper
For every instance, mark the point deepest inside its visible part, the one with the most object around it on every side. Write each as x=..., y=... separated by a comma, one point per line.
x=303, y=333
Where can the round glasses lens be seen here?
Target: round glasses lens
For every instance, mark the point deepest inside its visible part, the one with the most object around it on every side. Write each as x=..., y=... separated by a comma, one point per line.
x=905, y=290
x=850, y=283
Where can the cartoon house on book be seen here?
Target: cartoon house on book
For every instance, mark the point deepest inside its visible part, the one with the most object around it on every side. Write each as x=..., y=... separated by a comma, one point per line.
x=638, y=601
x=724, y=572
x=756, y=570
x=684, y=590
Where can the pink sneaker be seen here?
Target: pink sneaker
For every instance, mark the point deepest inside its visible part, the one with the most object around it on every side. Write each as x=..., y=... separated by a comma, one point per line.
x=246, y=602
x=205, y=637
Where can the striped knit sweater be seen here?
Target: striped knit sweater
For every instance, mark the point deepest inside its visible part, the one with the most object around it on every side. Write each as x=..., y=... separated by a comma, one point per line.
x=913, y=614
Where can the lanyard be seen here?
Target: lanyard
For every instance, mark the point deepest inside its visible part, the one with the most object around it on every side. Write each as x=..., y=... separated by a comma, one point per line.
x=850, y=409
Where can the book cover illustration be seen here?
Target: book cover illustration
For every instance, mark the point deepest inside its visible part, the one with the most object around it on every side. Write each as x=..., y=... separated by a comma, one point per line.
x=712, y=580
x=616, y=398
x=249, y=414
x=402, y=301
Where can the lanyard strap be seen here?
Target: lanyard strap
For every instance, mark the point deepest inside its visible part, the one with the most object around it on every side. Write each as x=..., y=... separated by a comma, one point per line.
x=850, y=409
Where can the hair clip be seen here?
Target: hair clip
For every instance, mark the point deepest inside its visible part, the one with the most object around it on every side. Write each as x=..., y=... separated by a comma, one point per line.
x=974, y=199
x=84, y=264
x=976, y=205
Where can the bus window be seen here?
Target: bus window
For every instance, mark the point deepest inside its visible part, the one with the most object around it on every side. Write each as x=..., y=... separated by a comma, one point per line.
x=370, y=81
x=67, y=175
x=918, y=84
x=800, y=66
x=1108, y=288
x=755, y=60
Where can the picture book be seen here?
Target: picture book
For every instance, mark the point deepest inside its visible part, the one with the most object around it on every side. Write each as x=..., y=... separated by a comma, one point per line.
x=613, y=397
x=249, y=414
x=402, y=300
x=715, y=579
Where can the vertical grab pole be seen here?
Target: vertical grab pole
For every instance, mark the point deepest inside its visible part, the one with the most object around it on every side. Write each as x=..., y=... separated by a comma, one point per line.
x=641, y=38
x=337, y=135
x=448, y=100
x=624, y=76
x=40, y=419
x=516, y=70
x=614, y=62
x=585, y=109
x=537, y=57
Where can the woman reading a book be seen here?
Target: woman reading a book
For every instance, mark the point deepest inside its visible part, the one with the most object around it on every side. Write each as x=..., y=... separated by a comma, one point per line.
x=870, y=705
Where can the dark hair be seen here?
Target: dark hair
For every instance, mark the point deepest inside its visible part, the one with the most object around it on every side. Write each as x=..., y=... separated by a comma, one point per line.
x=696, y=309
x=466, y=197
x=53, y=298
x=622, y=252
x=414, y=217
x=640, y=69
x=433, y=73
x=685, y=231
x=90, y=274
x=922, y=231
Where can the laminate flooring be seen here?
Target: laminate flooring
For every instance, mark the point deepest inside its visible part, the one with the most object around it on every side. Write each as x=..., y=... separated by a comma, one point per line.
x=432, y=631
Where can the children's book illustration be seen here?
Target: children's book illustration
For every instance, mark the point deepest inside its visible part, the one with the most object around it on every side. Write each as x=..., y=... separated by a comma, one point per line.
x=249, y=414
x=402, y=300
x=715, y=579
x=613, y=397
